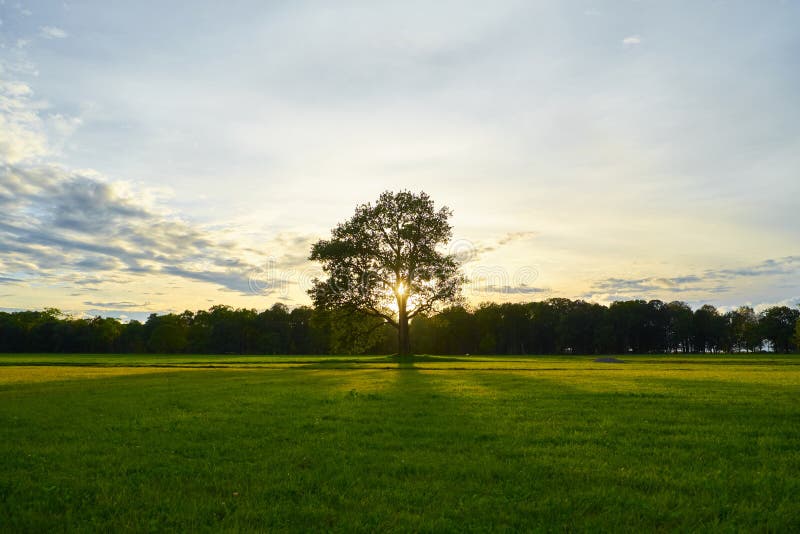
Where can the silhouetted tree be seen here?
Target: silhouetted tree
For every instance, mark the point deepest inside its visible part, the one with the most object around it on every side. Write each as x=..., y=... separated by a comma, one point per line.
x=579, y=327
x=353, y=332
x=457, y=334
x=386, y=255
x=679, y=327
x=103, y=333
x=302, y=338
x=488, y=321
x=549, y=327
x=778, y=325
x=543, y=327
x=797, y=334
x=742, y=330
x=132, y=338
x=166, y=333
x=629, y=320
x=708, y=328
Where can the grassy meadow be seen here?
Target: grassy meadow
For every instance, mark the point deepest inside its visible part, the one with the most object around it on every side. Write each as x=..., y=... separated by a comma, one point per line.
x=242, y=443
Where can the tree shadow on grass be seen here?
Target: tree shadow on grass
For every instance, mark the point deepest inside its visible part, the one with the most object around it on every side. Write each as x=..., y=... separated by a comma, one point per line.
x=394, y=362
x=441, y=457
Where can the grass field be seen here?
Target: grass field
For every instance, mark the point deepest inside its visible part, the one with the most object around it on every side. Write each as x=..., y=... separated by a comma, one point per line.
x=182, y=443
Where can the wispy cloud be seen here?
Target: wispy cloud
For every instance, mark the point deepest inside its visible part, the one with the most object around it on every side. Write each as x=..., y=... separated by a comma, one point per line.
x=632, y=40
x=515, y=236
x=22, y=10
x=52, y=32
x=123, y=304
x=468, y=251
x=645, y=286
x=713, y=281
x=771, y=267
x=511, y=290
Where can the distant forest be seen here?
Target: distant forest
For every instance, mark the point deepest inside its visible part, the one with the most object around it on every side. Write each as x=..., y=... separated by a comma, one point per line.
x=554, y=326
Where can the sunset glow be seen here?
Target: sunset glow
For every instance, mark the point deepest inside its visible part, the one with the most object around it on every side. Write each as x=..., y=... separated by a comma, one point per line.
x=401, y=289
x=154, y=163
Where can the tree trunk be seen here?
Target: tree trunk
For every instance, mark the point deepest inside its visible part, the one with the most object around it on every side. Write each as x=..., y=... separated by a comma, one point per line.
x=403, y=343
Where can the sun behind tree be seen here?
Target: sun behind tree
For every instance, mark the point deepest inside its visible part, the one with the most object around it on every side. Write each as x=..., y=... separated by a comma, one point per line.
x=385, y=261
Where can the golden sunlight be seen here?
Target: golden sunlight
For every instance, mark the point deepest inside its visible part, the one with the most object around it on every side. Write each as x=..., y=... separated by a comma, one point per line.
x=393, y=294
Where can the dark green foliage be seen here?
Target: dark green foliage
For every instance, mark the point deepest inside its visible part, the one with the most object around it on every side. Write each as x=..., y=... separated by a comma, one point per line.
x=348, y=332
x=554, y=326
x=742, y=330
x=558, y=326
x=797, y=333
x=385, y=261
x=219, y=330
x=777, y=326
x=679, y=327
x=708, y=329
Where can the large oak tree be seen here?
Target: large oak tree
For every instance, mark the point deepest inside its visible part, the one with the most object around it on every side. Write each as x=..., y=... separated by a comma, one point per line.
x=387, y=261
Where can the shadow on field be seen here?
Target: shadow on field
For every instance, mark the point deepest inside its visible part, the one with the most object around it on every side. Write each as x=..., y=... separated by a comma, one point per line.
x=388, y=363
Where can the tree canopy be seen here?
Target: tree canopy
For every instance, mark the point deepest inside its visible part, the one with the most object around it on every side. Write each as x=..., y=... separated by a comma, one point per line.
x=386, y=261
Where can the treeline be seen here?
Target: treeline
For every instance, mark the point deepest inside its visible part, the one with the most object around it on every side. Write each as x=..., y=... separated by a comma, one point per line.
x=554, y=326
x=557, y=326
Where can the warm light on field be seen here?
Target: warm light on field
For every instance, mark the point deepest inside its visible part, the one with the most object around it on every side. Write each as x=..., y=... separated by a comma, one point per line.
x=47, y=373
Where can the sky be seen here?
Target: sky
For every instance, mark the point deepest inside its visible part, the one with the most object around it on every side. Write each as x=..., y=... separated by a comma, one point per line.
x=162, y=156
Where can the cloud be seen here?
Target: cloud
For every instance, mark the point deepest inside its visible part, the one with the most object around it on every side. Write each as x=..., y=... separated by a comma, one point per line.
x=632, y=40
x=61, y=127
x=81, y=229
x=511, y=290
x=467, y=251
x=711, y=281
x=123, y=304
x=77, y=227
x=780, y=266
x=98, y=263
x=515, y=236
x=560, y=138
x=22, y=134
x=123, y=315
x=51, y=32
x=234, y=279
x=791, y=302
x=640, y=286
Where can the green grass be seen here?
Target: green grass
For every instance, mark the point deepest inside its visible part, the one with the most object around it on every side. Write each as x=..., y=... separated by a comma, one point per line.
x=363, y=444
